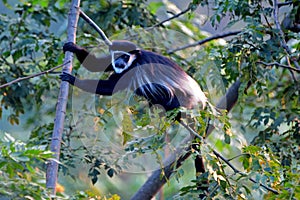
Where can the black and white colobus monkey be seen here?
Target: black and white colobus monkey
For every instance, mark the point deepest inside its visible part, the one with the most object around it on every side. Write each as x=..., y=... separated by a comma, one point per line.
x=155, y=77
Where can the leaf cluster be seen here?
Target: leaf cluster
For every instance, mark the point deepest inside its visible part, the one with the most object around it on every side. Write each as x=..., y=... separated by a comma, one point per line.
x=114, y=16
x=21, y=175
x=27, y=46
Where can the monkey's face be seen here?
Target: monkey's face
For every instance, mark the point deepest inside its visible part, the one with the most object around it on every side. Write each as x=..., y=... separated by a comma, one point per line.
x=121, y=60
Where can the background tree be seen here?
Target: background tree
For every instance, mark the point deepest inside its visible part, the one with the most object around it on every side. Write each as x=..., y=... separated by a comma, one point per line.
x=261, y=136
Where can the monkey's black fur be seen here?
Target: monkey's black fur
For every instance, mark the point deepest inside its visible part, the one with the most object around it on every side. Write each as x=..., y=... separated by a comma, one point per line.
x=157, y=78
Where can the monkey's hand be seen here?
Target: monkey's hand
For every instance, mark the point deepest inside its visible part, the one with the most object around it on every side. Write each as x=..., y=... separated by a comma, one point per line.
x=67, y=77
x=70, y=46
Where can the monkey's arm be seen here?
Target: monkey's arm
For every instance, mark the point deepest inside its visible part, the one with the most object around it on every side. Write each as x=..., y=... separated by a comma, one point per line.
x=88, y=60
x=102, y=87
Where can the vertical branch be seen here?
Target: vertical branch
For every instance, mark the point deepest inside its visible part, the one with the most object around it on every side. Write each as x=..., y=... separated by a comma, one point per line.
x=52, y=167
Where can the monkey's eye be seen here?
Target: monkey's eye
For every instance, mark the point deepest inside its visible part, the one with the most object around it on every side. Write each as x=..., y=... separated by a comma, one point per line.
x=121, y=60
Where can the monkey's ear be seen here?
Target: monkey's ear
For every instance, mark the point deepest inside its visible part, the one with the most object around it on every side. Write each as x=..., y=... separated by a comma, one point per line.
x=122, y=45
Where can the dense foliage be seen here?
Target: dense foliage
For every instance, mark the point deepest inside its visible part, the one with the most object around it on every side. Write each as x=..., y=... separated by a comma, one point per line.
x=104, y=138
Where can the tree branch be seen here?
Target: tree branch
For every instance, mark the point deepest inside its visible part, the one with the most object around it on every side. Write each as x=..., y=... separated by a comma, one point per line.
x=241, y=173
x=52, y=167
x=170, y=18
x=280, y=65
x=226, y=160
x=284, y=3
x=33, y=75
x=200, y=42
x=159, y=177
x=174, y=161
x=164, y=21
x=96, y=27
x=281, y=34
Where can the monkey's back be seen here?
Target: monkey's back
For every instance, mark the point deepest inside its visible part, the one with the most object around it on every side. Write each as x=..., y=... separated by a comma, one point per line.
x=162, y=81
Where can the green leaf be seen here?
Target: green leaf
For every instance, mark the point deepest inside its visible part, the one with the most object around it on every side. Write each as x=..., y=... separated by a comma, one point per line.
x=17, y=54
x=227, y=138
x=246, y=161
x=154, y=6
x=126, y=122
x=126, y=137
x=2, y=164
x=223, y=184
x=255, y=164
x=42, y=3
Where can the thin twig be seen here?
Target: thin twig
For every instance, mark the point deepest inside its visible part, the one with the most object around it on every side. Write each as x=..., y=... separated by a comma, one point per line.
x=284, y=3
x=32, y=75
x=282, y=40
x=200, y=42
x=279, y=65
x=96, y=27
x=169, y=19
x=193, y=132
x=162, y=22
x=241, y=173
x=172, y=162
x=234, y=157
